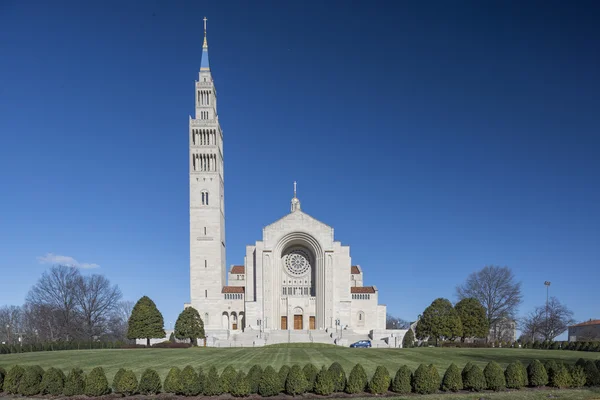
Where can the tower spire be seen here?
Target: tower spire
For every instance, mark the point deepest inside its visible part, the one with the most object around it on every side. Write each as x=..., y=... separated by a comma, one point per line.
x=295, y=201
x=204, y=63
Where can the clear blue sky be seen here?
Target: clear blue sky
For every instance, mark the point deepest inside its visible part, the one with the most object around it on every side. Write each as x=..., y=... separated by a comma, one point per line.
x=435, y=137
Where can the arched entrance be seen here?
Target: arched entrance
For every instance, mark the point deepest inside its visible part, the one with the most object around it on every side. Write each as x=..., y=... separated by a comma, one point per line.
x=298, y=315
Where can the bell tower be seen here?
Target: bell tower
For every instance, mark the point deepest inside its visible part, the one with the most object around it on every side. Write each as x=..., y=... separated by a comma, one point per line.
x=207, y=201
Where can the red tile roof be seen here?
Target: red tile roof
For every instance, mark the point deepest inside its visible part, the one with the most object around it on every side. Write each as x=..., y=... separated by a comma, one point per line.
x=362, y=289
x=238, y=269
x=233, y=289
x=590, y=322
x=354, y=270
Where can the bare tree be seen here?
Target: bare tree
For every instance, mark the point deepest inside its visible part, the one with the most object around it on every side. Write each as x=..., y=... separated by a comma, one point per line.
x=96, y=300
x=11, y=323
x=546, y=323
x=496, y=289
x=392, y=322
x=119, y=320
x=57, y=290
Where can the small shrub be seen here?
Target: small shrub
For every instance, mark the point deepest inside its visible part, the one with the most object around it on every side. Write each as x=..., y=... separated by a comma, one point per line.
x=227, y=378
x=296, y=381
x=592, y=375
x=494, y=376
x=474, y=380
x=212, y=386
x=254, y=378
x=408, y=340
x=53, y=382
x=282, y=374
x=380, y=382
x=150, y=382
x=190, y=382
x=31, y=381
x=96, y=383
x=357, y=380
x=580, y=362
x=402, y=381
x=598, y=364
x=515, y=376
x=339, y=377
x=241, y=385
x=269, y=383
x=452, y=381
x=578, y=377
x=310, y=372
x=423, y=381
x=116, y=379
x=75, y=383
x=536, y=374
x=559, y=377
x=13, y=379
x=467, y=367
x=550, y=365
x=324, y=383
x=2, y=375
x=127, y=384
x=173, y=381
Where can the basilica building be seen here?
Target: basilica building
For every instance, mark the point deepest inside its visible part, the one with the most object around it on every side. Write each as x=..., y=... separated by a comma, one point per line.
x=296, y=278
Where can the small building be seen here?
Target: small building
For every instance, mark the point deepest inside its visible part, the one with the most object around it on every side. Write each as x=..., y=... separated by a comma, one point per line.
x=585, y=332
x=504, y=330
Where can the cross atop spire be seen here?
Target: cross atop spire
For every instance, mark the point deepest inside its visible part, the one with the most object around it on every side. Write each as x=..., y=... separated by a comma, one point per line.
x=205, y=44
x=295, y=202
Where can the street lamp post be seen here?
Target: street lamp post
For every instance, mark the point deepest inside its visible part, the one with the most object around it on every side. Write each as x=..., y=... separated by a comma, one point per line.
x=547, y=284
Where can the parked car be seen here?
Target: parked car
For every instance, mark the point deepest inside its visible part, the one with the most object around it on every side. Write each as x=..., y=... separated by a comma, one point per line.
x=361, y=343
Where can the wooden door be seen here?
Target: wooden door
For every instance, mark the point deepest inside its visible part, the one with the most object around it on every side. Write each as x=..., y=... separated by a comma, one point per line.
x=297, y=321
x=234, y=326
x=311, y=322
x=283, y=323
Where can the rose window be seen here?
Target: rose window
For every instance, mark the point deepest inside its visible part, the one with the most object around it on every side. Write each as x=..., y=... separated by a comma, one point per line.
x=297, y=262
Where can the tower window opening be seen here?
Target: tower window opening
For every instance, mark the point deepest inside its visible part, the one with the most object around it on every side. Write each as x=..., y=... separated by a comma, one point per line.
x=205, y=293
x=204, y=230
x=205, y=264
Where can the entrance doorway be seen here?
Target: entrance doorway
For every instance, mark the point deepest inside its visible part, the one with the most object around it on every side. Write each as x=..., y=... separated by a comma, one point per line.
x=297, y=321
x=311, y=322
x=283, y=323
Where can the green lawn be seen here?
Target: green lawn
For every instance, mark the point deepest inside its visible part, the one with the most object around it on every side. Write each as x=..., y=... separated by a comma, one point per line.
x=244, y=358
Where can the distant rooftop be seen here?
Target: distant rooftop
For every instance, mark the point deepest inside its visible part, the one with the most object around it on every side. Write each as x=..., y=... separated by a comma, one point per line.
x=587, y=323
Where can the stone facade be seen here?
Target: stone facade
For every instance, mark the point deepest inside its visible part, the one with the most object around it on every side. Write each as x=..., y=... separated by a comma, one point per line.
x=585, y=332
x=297, y=277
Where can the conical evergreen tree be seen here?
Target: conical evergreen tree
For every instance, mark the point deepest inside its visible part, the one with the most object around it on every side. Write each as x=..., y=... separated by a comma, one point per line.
x=146, y=322
x=189, y=325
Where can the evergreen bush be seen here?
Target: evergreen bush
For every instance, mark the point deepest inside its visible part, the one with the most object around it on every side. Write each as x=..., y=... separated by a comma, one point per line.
x=592, y=375
x=559, y=376
x=227, y=378
x=2, y=375
x=536, y=374
x=310, y=372
x=578, y=377
x=402, y=381
x=467, y=367
x=116, y=379
x=339, y=377
x=75, y=383
x=269, y=383
x=241, y=385
x=324, y=383
x=53, y=382
x=494, y=376
x=31, y=381
x=474, y=380
x=254, y=378
x=550, y=365
x=452, y=381
x=96, y=383
x=515, y=375
x=408, y=340
x=127, y=384
x=598, y=364
x=190, y=382
x=212, y=385
x=296, y=381
x=380, y=382
x=150, y=382
x=357, y=380
x=282, y=374
x=423, y=382
x=580, y=362
x=13, y=379
x=172, y=382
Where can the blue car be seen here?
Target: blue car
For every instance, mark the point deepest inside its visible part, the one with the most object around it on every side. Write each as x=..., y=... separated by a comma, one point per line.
x=361, y=343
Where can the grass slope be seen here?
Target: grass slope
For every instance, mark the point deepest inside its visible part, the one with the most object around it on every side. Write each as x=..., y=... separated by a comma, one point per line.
x=244, y=358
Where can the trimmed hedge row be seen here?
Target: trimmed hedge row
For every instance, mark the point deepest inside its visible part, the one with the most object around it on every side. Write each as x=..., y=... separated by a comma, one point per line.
x=33, y=380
